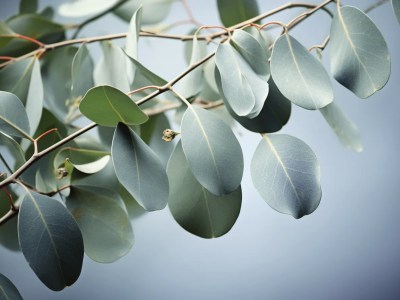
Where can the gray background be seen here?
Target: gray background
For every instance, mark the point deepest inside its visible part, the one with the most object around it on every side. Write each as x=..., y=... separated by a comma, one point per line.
x=347, y=249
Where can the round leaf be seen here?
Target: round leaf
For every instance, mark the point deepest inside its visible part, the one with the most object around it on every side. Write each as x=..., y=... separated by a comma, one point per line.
x=8, y=289
x=107, y=106
x=193, y=207
x=360, y=58
x=300, y=77
x=286, y=173
x=107, y=232
x=154, y=11
x=50, y=240
x=212, y=150
x=232, y=12
x=138, y=169
x=13, y=117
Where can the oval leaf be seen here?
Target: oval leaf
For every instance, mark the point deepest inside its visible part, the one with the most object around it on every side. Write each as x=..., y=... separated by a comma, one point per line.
x=193, y=207
x=133, y=34
x=154, y=11
x=81, y=72
x=360, y=58
x=81, y=8
x=300, y=77
x=138, y=169
x=50, y=240
x=212, y=150
x=286, y=173
x=13, y=117
x=8, y=289
x=106, y=229
x=343, y=127
x=232, y=12
x=107, y=106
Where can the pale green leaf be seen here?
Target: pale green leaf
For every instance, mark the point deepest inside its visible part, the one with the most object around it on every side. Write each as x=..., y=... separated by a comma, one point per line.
x=193, y=207
x=212, y=150
x=81, y=72
x=112, y=69
x=232, y=12
x=14, y=148
x=106, y=229
x=300, y=76
x=343, y=127
x=154, y=11
x=396, y=8
x=8, y=289
x=81, y=8
x=286, y=173
x=138, y=169
x=107, y=106
x=133, y=34
x=360, y=58
x=13, y=118
x=50, y=240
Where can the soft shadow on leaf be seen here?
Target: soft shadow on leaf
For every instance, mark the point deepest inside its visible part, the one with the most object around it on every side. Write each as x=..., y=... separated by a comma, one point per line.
x=360, y=58
x=193, y=207
x=102, y=218
x=286, y=173
x=8, y=289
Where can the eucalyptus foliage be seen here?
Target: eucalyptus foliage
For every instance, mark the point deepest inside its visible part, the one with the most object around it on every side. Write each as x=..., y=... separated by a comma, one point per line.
x=67, y=190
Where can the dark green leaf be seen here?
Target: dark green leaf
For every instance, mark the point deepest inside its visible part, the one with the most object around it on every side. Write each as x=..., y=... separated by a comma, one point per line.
x=243, y=87
x=138, y=169
x=286, y=173
x=4, y=29
x=273, y=116
x=28, y=6
x=193, y=207
x=23, y=79
x=8, y=230
x=8, y=289
x=13, y=118
x=396, y=8
x=106, y=229
x=133, y=34
x=112, y=68
x=300, y=77
x=360, y=58
x=212, y=150
x=107, y=106
x=82, y=70
x=50, y=240
x=343, y=127
x=154, y=11
x=232, y=12
x=81, y=8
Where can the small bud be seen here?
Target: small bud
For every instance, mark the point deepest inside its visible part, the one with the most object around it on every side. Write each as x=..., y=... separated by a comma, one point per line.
x=61, y=173
x=169, y=135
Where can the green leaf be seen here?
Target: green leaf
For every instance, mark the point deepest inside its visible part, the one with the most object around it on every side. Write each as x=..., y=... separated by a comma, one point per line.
x=28, y=6
x=273, y=116
x=396, y=8
x=343, y=127
x=13, y=118
x=154, y=11
x=232, y=12
x=193, y=207
x=14, y=148
x=286, y=173
x=50, y=240
x=8, y=289
x=300, y=76
x=133, y=34
x=8, y=230
x=138, y=169
x=23, y=79
x=112, y=68
x=56, y=72
x=106, y=229
x=192, y=83
x=84, y=160
x=360, y=58
x=82, y=8
x=4, y=29
x=107, y=106
x=82, y=70
x=243, y=87
x=212, y=150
